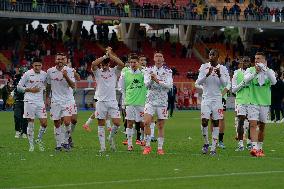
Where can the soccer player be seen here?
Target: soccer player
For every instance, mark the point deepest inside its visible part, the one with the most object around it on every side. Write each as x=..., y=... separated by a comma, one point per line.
x=134, y=91
x=212, y=76
x=69, y=69
x=106, y=79
x=33, y=83
x=59, y=81
x=158, y=80
x=242, y=99
x=260, y=78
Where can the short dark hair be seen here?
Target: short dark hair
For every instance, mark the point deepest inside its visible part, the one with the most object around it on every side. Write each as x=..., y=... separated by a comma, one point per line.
x=261, y=54
x=158, y=51
x=134, y=56
x=60, y=53
x=214, y=50
x=37, y=59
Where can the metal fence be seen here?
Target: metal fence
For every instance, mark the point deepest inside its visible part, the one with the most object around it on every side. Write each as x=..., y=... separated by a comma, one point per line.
x=161, y=13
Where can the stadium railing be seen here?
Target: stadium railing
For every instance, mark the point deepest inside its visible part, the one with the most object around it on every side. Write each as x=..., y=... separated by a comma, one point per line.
x=161, y=13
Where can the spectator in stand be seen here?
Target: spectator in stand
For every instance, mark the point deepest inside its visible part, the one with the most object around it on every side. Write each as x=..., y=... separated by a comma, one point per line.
x=205, y=12
x=84, y=33
x=180, y=99
x=167, y=36
x=225, y=13
x=189, y=50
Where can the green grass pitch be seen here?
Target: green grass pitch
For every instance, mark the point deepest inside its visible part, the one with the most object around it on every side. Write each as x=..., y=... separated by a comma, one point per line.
x=181, y=167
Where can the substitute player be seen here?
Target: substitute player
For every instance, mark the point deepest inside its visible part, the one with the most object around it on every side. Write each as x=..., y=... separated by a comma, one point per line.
x=134, y=91
x=260, y=78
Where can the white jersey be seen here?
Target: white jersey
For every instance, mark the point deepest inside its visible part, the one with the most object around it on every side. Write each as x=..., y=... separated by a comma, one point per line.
x=157, y=94
x=212, y=83
x=70, y=72
x=59, y=86
x=30, y=79
x=106, y=84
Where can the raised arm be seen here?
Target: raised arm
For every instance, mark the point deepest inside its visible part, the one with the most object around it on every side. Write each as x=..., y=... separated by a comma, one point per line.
x=147, y=79
x=97, y=62
x=249, y=76
x=70, y=80
x=271, y=76
x=203, y=75
x=235, y=86
x=168, y=83
x=113, y=57
x=22, y=85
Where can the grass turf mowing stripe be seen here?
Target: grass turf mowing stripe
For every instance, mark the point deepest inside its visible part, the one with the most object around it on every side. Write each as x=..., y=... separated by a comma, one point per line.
x=150, y=179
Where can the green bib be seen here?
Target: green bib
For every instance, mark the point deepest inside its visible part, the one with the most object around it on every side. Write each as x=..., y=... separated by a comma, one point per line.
x=243, y=95
x=259, y=95
x=135, y=90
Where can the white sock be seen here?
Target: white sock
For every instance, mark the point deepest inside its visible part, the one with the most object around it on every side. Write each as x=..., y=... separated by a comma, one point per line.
x=67, y=134
x=57, y=135
x=246, y=126
x=215, y=135
x=259, y=145
x=102, y=136
x=108, y=125
x=41, y=132
x=204, y=131
x=73, y=126
x=114, y=129
x=30, y=132
x=254, y=145
x=248, y=141
x=89, y=121
x=160, y=143
x=241, y=143
x=148, y=140
x=129, y=133
x=152, y=127
x=62, y=136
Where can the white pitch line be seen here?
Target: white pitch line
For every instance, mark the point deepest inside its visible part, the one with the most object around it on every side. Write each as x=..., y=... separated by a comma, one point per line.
x=149, y=179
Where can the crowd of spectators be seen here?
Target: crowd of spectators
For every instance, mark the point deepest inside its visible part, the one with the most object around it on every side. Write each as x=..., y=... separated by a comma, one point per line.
x=195, y=10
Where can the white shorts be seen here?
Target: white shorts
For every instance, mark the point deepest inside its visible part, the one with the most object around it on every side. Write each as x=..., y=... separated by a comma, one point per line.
x=107, y=108
x=32, y=110
x=74, y=109
x=58, y=110
x=214, y=108
x=135, y=113
x=258, y=113
x=242, y=109
x=161, y=111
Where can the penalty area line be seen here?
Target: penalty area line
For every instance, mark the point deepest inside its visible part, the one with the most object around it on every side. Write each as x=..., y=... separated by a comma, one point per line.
x=149, y=179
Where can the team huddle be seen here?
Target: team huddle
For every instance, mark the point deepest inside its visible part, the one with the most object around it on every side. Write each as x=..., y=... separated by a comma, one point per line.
x=144, y=94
